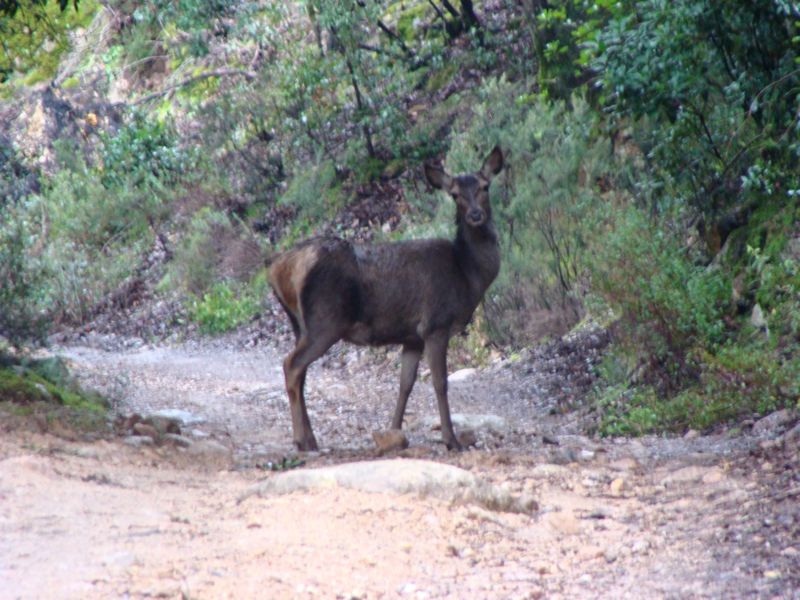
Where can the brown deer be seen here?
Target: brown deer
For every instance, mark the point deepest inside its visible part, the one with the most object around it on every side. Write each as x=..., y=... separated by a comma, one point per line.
x=416, y=293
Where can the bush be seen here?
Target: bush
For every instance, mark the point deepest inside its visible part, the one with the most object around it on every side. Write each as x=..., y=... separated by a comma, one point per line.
x=225, y=307
x=91, y=224
x=21, y=320
x=314, y=193
x=667, y=305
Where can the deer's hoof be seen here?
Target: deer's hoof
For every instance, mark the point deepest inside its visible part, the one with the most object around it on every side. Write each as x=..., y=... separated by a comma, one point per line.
x=307, y=445
x=453, y=444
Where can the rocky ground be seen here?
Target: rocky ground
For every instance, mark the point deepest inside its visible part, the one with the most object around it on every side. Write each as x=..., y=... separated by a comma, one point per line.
x=197, y=505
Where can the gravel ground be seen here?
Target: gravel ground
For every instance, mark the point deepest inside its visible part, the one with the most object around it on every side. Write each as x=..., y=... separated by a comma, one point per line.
x=700, y=516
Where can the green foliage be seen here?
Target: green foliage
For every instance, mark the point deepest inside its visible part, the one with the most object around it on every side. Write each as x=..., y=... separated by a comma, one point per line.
x=20, y=320
x=35, y=33
x=45, y=381
x=737, y=381
x=667, y=304
x=92, y=224
x=314, y=192
x=223, y=307
x=722, y=83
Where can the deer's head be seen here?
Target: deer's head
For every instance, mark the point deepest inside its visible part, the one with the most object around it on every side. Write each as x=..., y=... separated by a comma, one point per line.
x=471, y=190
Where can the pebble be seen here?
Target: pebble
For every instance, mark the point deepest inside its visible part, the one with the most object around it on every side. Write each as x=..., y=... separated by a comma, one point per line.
x=390, y=440
x=145, y=430
x=178, y=440
x=138, y=440
x=617, y=486
x=461, y=375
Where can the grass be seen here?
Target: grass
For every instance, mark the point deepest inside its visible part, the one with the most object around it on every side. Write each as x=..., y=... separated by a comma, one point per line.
x=45, y=389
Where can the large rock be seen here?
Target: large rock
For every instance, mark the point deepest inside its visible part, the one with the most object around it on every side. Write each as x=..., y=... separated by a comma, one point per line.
x=399, y=476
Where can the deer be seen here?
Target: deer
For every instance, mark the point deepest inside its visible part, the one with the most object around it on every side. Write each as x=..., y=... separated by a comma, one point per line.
x=414, y=293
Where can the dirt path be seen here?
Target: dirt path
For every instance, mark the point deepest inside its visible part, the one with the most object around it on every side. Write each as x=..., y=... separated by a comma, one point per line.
x=704, y=516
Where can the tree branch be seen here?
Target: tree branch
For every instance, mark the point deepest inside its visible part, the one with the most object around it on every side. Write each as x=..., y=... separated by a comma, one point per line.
x=249, y=75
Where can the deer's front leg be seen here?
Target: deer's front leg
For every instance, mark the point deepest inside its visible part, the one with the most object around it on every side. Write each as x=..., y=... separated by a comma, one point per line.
x=436, y=349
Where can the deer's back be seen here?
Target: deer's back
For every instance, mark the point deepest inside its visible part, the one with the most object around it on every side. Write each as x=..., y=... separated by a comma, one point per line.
x=376, y=294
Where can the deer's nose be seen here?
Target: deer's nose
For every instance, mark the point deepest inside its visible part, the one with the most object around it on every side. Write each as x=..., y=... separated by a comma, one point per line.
x=475, y=215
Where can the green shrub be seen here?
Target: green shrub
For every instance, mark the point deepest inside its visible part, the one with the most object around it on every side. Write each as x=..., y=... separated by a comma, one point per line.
x=223, y=308
x=667, y=305
x=314, y=193
x=21, y=319
x=194, y=266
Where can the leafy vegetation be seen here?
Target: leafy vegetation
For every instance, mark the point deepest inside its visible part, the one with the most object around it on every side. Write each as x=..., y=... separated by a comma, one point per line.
x=651, y=179
x=44, y=389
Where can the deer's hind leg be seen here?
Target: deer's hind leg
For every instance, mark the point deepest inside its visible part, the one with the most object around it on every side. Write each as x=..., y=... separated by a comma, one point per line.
x=409, y=362
x=295, y=367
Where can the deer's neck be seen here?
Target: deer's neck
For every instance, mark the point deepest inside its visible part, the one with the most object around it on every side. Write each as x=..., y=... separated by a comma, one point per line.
x=478, y=254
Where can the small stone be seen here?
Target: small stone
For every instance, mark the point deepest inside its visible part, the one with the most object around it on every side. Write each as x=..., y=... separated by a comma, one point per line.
x=586, y=454
x=767, y=445
x=713, y=476
x=528, y=503
x=617, y=486
x=129, y=421
x=610, y=555
x=87, y=452
x=46, y=395
x=182, y=416
x=390, y=440
x=407, y=589
x=624, y=464
x=564, y=456
x=210, y=452
x=467, y=438
x=146, y=430
x=640, y=546
x=691, y=434
x=178, y=440
x=793, y=435
x=790, y=551
x=138, y=440
x=164, y=424
x=564, y=522
x=461, y=375
x=772, y=574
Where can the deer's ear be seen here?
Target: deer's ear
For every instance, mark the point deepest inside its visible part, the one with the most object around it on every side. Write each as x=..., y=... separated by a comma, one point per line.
x=493, y=164
x=437, y=177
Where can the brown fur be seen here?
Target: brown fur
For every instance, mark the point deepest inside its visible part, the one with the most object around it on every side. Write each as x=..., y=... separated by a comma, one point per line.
x=288, y=273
